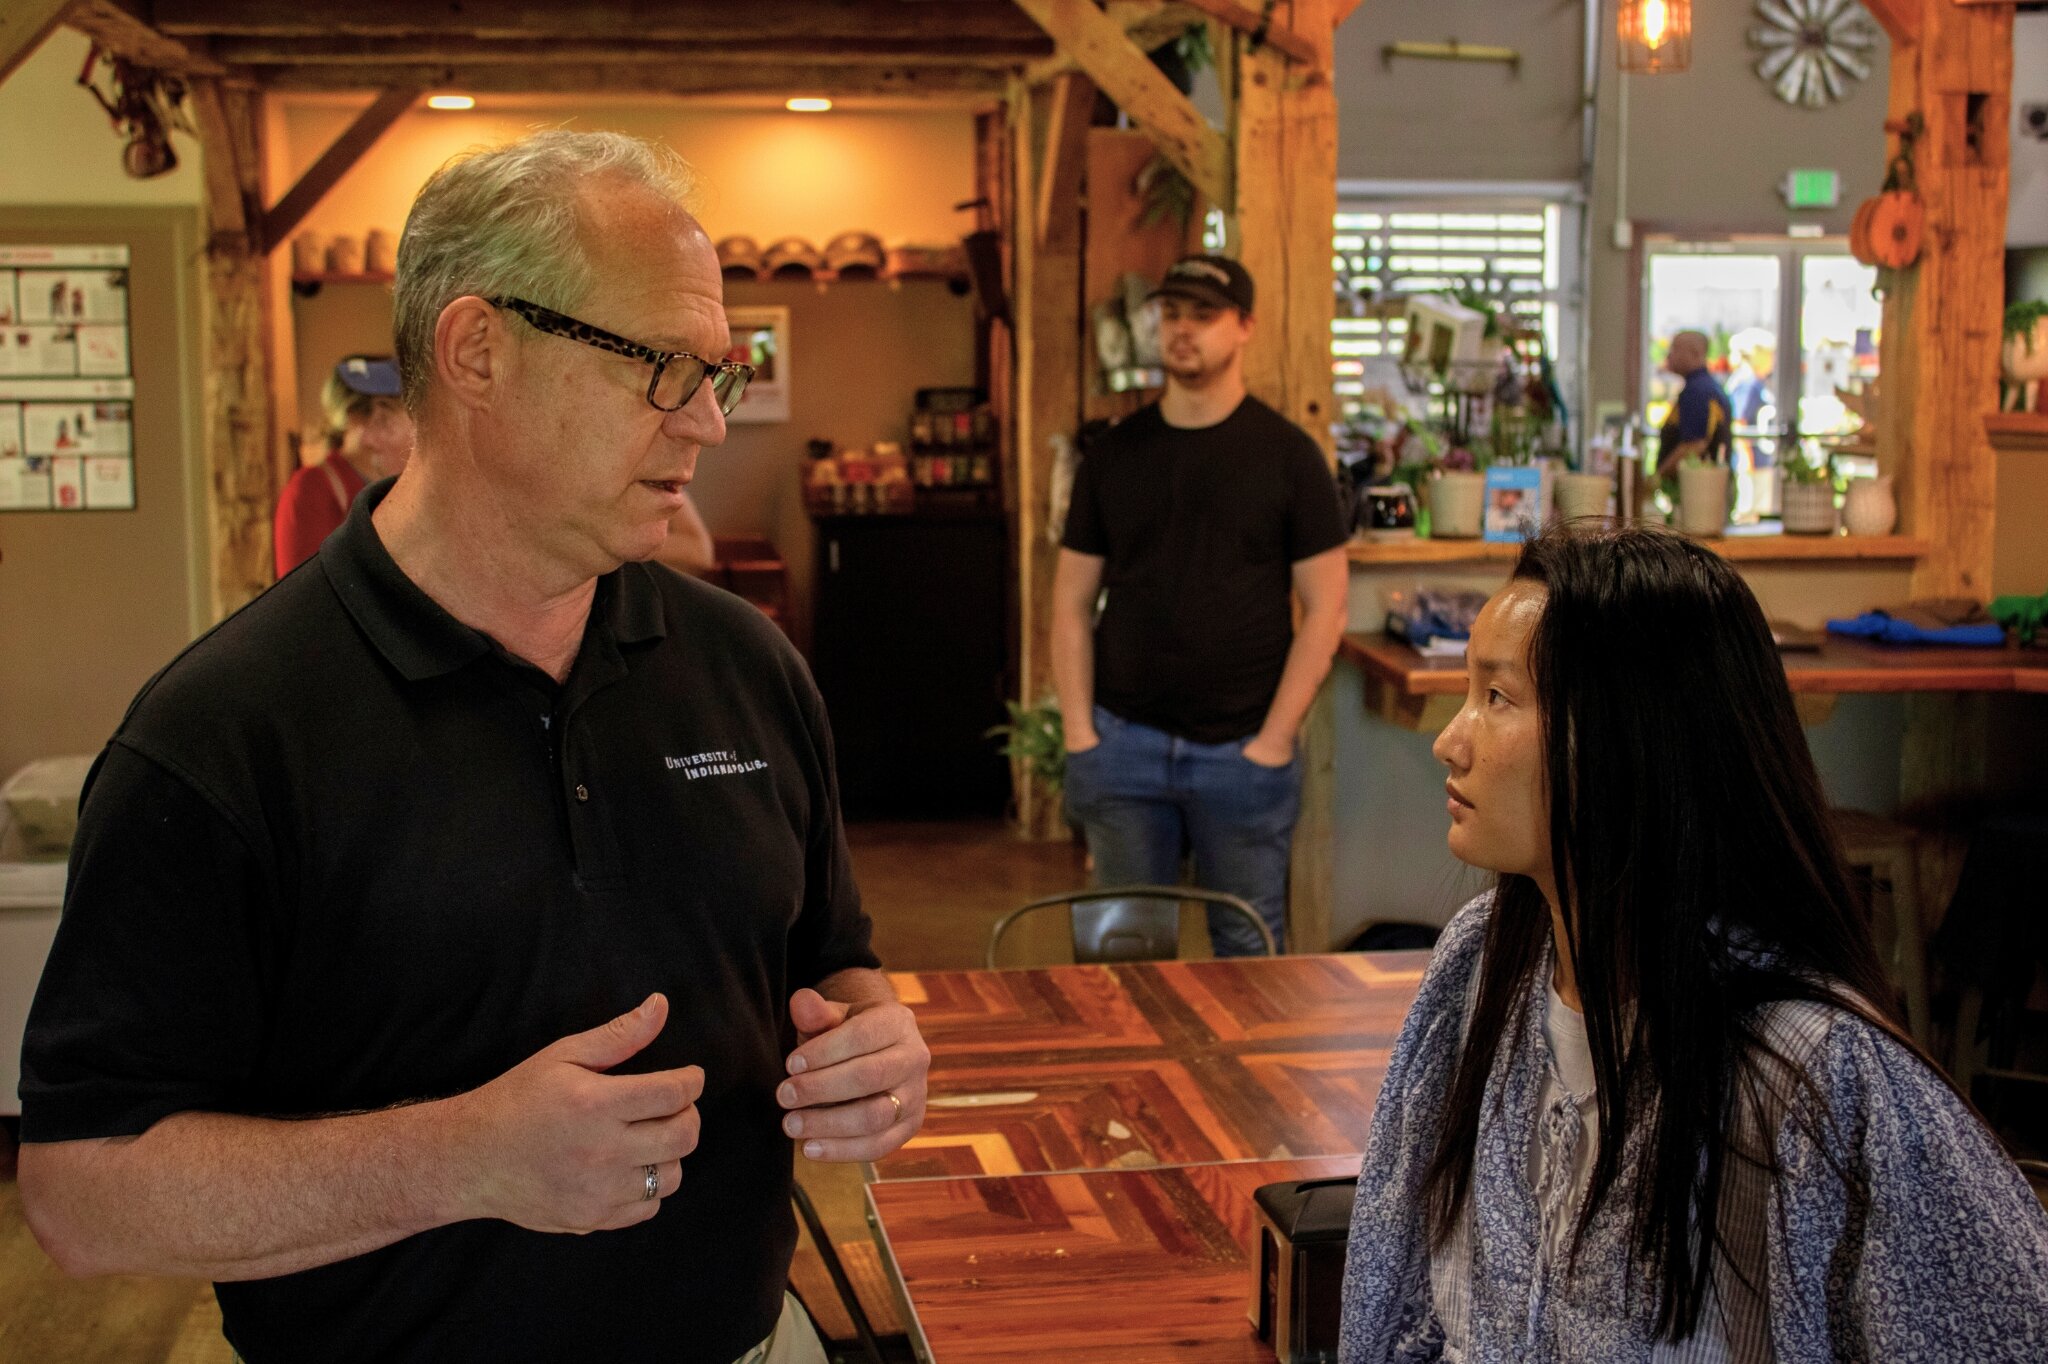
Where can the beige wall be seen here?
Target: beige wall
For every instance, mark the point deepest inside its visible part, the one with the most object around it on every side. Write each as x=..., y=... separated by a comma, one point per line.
x=1416, y=119
x=94, y=602
x=57, y=146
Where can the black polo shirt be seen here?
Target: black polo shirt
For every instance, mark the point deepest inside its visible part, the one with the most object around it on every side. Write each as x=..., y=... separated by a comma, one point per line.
x=346, y=853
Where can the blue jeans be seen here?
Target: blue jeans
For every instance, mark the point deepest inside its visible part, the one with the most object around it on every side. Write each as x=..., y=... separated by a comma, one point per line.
x=1145, y=799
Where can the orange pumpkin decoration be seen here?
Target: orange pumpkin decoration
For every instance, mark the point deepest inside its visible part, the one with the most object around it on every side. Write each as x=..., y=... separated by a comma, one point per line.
x=1859, y=233
x=1896, y=227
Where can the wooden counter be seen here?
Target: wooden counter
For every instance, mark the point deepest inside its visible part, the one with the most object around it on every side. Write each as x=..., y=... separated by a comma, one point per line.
x=1420, y=693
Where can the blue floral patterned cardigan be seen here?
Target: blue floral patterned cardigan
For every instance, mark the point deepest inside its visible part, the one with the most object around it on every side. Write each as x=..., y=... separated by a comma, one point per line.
x=1943, y=1255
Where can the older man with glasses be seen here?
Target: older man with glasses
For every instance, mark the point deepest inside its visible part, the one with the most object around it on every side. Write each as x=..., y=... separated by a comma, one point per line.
x=458, y=936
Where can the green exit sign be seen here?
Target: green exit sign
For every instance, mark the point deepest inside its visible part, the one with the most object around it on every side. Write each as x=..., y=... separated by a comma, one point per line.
x=1812, y=189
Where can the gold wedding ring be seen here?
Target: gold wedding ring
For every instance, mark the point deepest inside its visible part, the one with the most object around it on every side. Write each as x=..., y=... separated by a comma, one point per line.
x=897, y=1116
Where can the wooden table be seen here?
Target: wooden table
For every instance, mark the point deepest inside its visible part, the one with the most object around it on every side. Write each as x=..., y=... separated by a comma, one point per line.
x=1082, y=1186
x=1407, y=689
x=1125, y=1265
x=1155, y=1063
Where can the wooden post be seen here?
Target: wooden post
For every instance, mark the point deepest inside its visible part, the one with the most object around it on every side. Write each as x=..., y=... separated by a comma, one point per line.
x=1952, y=67
x=1941, y=318
x=242, y=474
x=1046, y=246
x=1285, y=149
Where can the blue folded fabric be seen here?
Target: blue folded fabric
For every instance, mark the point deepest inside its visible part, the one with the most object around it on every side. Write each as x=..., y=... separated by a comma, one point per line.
x=1890, y=629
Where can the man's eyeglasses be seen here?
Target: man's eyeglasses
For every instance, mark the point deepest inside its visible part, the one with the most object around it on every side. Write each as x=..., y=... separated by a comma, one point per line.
x=677, y=373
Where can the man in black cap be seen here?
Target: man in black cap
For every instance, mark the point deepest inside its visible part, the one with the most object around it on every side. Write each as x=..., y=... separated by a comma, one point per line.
x=1200, y=514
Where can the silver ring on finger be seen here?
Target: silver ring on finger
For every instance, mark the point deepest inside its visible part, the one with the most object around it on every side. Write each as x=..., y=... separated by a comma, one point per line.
x=653, y=1189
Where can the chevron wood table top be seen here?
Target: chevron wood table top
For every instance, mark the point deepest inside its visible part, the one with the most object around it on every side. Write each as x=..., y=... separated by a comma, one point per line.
x=1125, y=1265
x=1138, y=1065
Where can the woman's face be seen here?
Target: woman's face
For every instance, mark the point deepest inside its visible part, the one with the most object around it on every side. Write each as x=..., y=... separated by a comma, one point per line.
x=1500, y=818
x=380, y=438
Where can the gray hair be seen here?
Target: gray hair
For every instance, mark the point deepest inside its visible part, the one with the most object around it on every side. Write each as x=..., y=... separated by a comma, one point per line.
x=501, y=221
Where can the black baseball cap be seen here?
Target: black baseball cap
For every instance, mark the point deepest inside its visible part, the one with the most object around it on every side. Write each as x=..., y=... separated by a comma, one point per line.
x=1216, y=280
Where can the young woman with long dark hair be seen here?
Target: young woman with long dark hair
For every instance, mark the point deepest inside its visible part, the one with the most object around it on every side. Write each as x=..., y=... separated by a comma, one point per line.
x=1653, y=1102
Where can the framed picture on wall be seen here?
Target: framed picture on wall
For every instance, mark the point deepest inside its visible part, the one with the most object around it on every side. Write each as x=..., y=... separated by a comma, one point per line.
x=760, y=337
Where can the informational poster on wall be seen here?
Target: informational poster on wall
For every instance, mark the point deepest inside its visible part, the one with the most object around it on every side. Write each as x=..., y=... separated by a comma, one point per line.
x=67, y=392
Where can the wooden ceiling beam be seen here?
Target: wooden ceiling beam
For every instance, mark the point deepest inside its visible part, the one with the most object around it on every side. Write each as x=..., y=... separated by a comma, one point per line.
x=1149, y=24
x=122, y=32
x=1900, y=19
x=23, y=26
x=335, y=162
x=463, y=51
x=639, y=78
x=1250, y=20
x=822, y=21
x=1124, y=73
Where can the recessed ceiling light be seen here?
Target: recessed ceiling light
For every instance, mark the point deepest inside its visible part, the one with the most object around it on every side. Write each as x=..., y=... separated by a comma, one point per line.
x=451, y=101
x=807, y=105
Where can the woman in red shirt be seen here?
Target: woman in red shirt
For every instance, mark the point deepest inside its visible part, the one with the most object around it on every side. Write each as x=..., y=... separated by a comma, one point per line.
x=369, y=436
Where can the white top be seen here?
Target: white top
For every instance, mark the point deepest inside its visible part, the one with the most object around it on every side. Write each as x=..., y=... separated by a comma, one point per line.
x=1561, y=1149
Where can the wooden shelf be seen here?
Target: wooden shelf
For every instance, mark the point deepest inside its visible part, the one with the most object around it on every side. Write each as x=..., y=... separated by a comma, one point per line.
x=1420, y=551
x=2018, y=431
x=1805, y=548
x=1746, y=549
x=822, y=277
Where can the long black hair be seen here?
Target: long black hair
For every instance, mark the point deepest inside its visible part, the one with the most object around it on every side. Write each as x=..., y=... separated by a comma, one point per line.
x=1687, y=831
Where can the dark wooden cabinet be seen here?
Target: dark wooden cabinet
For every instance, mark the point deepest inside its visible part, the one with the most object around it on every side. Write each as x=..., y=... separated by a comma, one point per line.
x=910, y=646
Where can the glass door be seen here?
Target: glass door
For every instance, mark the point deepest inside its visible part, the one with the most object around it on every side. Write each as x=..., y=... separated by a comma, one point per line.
x=1745, y=296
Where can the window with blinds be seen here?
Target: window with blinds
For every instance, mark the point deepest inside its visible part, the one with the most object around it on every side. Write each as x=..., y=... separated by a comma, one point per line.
x=1388, y=248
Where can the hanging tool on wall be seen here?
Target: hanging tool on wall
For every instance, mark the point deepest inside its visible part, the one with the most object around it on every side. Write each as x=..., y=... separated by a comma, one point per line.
x=146, y=106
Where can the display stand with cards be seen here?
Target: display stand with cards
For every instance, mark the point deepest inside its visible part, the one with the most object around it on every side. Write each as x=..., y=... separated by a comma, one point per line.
x=67, y=391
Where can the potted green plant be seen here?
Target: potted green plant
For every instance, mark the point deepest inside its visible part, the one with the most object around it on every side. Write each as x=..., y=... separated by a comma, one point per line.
x=1457, y=496
x=1807, y=495
x=2023, y=358
x=1035, y=740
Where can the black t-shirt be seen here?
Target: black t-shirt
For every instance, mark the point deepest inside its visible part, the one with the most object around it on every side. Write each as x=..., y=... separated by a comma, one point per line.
x=1200, y=530
x=346, y=853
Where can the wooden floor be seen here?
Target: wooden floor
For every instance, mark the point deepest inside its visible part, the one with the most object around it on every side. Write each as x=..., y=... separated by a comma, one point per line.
x=933, y=890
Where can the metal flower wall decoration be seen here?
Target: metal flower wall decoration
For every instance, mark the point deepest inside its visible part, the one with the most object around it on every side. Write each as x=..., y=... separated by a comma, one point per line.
x=1812, y=51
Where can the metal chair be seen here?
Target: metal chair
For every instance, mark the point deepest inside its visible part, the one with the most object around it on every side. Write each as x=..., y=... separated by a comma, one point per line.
x=1128, y=923
x=849, y=1299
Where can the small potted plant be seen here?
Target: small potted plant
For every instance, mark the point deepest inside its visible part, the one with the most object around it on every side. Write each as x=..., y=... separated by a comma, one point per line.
x=1457, y=496
x=1035, y=740
x=2023, y=359
x=1807, y=497
x=1702, y=496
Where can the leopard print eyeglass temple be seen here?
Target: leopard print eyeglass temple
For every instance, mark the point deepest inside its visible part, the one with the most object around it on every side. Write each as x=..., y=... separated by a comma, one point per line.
x=677, y=373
